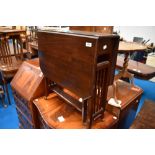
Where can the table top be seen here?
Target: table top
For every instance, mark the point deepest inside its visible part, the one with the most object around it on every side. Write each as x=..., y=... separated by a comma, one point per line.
x=11, y=30
x=139, y=69
x=125, y=92
x=131, y=47
x=146, y=117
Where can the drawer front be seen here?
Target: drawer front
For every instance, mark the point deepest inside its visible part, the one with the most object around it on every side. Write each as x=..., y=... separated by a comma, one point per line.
x=23, y=111
x=24, y=123
x=133, y=105
x=43, y=124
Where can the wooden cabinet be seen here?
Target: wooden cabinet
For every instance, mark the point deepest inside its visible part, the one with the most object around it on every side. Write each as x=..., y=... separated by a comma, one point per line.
x=129, y=97
x=27, y=84
x=55, y=113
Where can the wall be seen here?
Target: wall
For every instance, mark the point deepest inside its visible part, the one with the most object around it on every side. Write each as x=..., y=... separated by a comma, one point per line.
x=128, y=32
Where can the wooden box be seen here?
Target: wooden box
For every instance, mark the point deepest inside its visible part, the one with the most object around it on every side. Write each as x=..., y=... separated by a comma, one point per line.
x=27, y=84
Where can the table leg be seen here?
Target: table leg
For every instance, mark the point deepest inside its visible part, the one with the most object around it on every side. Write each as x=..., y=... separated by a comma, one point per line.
x=124, y=72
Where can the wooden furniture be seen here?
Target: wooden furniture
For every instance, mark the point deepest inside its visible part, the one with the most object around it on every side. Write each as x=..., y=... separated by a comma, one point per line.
x=33, y=48
x=146, y=117
x=27, y=84
x=100, y=29
x=55, y=113
x=129, y=97
x=2, y=94
x=127, y=48
x=16, y=36
x=151, y=60
x=83, y=63
x=11, y=32
x=9, y=63
x=140, y=70
x=32, y=33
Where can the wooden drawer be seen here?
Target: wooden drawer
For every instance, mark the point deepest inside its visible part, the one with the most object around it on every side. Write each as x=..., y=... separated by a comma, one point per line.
x=122, y=113
x=43, y=124
x=24, y=122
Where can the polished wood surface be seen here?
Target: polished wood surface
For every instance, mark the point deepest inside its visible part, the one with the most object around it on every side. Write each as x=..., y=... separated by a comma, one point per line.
x=131, y=47
x=9, y=61
x=12, y=32
x=27, y=84
x=83, y=64
x=129, y=97
x=127, y=48
x=54, y=108
x=77, y=60
x=146, y=117
x=27, y=79
x=101, y=29
x=138, y=69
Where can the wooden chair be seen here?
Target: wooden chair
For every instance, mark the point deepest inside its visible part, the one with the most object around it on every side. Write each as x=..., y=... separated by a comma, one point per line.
x=10, y=61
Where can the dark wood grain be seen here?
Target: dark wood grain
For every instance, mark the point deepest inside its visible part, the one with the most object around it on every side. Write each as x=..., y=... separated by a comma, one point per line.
x=146, y=117
x=129, y=97
x=27, y=84
x=49, y=110
x=139, y=69
x=54, y=107
x=83, y=63
x=101, y=29
x=129, y=47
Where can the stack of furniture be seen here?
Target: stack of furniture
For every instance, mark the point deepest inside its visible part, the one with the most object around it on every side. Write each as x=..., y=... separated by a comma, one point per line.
x=78, y=68
x=55, y=113
x=27, y=85
x=84, y=64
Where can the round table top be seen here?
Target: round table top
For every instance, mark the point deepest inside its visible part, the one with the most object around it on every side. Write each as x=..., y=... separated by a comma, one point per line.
x=131, y=47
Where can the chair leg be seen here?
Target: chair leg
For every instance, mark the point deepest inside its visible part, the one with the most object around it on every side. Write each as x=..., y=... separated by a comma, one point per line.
x=2, y=97
x=7, y=92
x=3, y=103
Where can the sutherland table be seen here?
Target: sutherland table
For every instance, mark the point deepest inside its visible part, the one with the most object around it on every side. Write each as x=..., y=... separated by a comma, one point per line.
x=127, y=48
x=55, y=113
